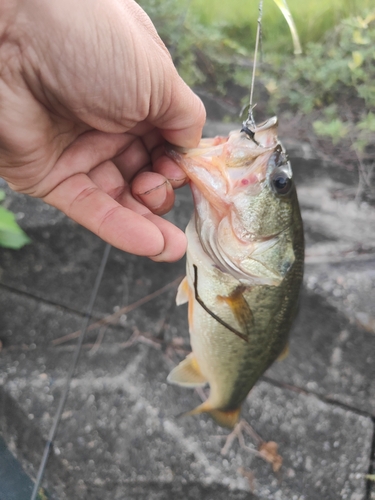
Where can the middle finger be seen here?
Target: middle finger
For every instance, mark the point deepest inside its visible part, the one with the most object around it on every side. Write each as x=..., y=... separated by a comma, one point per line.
x=134, y=159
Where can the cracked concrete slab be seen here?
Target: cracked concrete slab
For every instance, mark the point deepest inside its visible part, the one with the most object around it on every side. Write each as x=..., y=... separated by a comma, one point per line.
x=119, y=428
x=61, y=263
x=119, y=434
x=329, y=356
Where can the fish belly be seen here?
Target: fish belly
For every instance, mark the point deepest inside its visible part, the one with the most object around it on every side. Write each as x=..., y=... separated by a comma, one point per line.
x=230, y=364
x=220, y=354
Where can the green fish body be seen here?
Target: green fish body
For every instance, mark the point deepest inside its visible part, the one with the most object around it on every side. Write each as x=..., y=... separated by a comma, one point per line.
x=244, y=265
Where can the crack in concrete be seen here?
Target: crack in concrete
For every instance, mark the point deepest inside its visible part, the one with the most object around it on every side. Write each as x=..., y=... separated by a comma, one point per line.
x=321, y=397
x=43, y=300
x=370, y=485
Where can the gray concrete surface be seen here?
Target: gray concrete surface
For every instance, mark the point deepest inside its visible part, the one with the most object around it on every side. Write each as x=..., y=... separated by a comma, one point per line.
x=119, y=437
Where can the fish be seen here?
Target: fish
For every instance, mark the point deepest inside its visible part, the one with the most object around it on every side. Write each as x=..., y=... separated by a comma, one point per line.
x=244, y=264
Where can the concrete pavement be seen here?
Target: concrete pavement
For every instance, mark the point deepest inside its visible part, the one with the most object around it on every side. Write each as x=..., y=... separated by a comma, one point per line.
x=119, y=438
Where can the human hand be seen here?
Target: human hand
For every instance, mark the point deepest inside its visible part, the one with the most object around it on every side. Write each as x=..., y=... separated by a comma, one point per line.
x=88, y=97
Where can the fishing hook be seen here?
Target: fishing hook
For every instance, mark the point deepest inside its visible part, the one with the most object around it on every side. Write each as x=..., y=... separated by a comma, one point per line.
x=249, y=132
x=249, y=125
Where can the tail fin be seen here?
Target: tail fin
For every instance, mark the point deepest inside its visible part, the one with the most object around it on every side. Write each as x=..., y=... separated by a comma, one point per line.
x=225, y=418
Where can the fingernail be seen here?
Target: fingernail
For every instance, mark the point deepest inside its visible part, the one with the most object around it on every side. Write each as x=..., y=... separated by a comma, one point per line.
x=155, y=197
x=177, y=179
x=154, y=188
x=177, y=182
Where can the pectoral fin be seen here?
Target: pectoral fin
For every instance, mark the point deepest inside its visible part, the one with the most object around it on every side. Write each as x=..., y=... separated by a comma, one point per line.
x=187, y=373
x=225, y=418
x=211, y=313
x=183, y=292
x=240, y=308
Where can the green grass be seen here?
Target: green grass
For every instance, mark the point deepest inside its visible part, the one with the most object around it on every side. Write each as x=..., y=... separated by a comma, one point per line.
x=312, y=17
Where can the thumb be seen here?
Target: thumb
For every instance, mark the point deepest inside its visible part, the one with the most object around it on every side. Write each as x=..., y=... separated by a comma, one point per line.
x=174, y=108
x=182, y=121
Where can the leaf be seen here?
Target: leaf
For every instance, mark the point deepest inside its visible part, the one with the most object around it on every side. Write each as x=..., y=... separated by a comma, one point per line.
x=367, y=20
x=357, y=60
x=271, y=86
x=367, y=92
x=331, y=111
x=359, y=39
x=367, y=123
x=335, y=129
x=283, y=6
x=371, y=477
x=269, y=451
x=42, y=494
x=359, y=145
x=11, y=235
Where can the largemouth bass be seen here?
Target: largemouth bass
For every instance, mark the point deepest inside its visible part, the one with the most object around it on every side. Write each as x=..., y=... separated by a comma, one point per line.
x=244, y=264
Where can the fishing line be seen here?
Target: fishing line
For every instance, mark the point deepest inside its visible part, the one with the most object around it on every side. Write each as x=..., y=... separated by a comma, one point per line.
x=249, y=125
x=250, y=122
x=212, y=314
x=71, y=371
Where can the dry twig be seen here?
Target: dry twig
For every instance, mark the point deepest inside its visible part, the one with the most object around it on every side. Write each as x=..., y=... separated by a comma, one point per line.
x=113, y=318
x=267, y=450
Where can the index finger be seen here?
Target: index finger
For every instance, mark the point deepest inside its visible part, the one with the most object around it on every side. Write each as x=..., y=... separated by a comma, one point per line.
x=139, y=233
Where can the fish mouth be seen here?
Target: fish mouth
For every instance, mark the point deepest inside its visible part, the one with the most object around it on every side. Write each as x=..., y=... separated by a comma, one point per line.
x=220, y=167
x=228, y=176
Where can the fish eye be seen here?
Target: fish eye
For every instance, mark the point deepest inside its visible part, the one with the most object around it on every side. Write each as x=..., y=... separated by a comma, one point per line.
x=280, y=181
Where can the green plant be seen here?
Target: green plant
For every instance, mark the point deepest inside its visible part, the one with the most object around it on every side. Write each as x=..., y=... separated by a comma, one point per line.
x=204, y=55
x=334, y=80
x=212, y=42
x=335, y=129
x=313, y=19
x=11, y=235
x=343, y=62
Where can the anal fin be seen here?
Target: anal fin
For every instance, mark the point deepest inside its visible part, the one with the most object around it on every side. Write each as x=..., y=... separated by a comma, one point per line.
x=284, y=353
x=187, y=373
